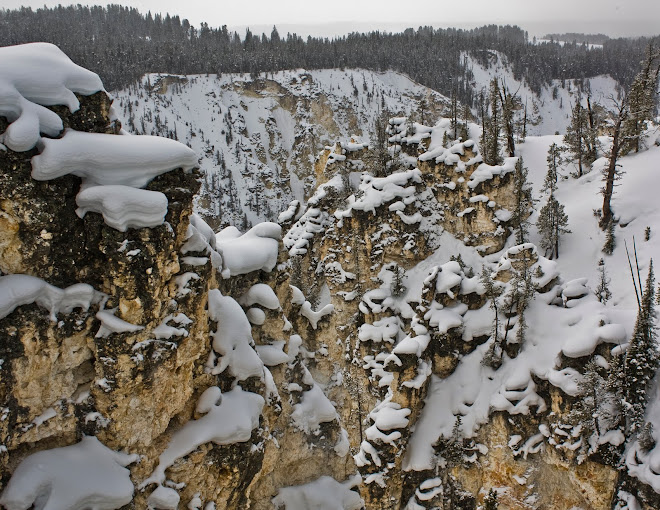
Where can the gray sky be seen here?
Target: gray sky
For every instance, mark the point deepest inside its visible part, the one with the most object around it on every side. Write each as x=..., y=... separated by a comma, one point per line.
x=613, y=17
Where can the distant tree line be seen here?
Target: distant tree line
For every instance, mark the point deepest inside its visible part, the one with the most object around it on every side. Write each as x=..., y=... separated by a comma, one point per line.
x=578, y=38
x=121, y=44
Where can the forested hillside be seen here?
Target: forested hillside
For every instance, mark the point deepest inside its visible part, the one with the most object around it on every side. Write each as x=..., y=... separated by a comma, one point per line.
x=121, y=44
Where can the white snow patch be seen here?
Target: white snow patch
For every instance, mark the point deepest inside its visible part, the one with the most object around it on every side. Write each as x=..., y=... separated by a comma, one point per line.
x=22, y=289
x=232, y=420
x=325, y=493
x=123, y=207
x=78, y=477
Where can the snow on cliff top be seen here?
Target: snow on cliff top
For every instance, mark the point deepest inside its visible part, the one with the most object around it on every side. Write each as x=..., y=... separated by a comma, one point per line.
x=36, y=75
x=33, y=76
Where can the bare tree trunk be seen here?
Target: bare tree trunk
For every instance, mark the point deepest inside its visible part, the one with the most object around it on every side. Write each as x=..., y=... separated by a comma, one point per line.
x=611, y=175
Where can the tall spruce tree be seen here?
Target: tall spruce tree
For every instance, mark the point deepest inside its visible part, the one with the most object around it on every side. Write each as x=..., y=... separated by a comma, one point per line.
x=552, y=222
x=493, y=290
x=641, y=362
x=508, y=101
x=492, y=153
x=595, y=121
x=587, y=412
x=519, y=293
x=642, y=98
x=524, y=203
x=580, y=137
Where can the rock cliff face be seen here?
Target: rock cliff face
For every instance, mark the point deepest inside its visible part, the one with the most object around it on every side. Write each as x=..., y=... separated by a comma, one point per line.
x=326, y=366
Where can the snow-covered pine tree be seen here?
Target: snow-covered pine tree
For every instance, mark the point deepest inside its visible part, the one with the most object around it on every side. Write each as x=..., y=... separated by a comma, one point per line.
x=397, y=286
x=523, y=125
x=493, y=357
x=587, y=410
x=452, y=449
x=381, y=143
x=493, y=126
x=645, y=437
x=465, y=133
x=603, y=292
x=642, y=358
x=578, y=140
x=508, y=101
x=642, y=99
x=482, y=105
x=524, y=203
x=595, y=116
x=454, y=115
x=554, y=160
x=552, y=223
x=519, y=292
x=613, y=173
x=626, y=132
x=552, y=220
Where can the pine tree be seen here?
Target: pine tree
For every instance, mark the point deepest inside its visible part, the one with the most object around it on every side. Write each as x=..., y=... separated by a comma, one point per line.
x=591, y=137
x=552, y=220
x=615, y=385
x=516, y=300
x=552, y=224
x=610, y=239
x=524, y=203
x=492, y=154
x=465, y=133
x=629, y=121
x=381, y=144
x=577, y=136
x=493, y=357
x=586, y=410
x=454, y=115
x=645, y=438
x=524, y=292
x=554, y=162
x=642, y=98
x=397, y=286
x=641, y=361
x=452, y=449
x=509, y=102
x=603, y=292
x=523, y=125
x=490, y=501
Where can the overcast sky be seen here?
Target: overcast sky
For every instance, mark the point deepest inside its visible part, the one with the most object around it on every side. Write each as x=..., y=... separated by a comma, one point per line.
x=337, y=17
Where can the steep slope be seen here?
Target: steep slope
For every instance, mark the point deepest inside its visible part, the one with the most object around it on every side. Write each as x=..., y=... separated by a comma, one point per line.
x=549, y=111
x=258, y=137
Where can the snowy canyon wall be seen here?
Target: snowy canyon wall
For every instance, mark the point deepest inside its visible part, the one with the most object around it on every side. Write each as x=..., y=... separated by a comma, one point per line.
x=258, y=137
x=320, y=362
